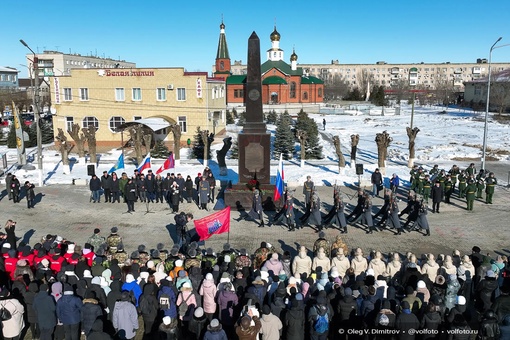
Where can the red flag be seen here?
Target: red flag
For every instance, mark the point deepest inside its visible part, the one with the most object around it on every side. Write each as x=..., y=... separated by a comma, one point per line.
x=169, y=164
x=217, y=223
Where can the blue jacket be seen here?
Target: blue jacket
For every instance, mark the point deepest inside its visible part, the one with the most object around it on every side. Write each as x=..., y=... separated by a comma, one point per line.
x=69, y=309
x=172, y=311
x=135, y=288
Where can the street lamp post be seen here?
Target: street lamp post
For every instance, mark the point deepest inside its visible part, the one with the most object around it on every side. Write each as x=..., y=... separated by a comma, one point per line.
x=484, y=149
x=37, y=115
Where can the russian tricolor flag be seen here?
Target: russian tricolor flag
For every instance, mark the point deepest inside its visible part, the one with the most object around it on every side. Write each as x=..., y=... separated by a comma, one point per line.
x=280, y=177
x=146, y=163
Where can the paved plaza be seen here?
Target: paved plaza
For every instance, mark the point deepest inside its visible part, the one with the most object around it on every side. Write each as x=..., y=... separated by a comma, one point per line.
x=65, y=210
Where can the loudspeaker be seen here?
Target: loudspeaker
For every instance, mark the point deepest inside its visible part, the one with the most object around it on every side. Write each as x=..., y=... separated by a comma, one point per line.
x=91, y=169
x=359, y=169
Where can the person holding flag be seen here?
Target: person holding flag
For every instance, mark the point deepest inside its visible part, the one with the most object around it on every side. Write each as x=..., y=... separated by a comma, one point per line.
x=280, y=181
x=217, y=223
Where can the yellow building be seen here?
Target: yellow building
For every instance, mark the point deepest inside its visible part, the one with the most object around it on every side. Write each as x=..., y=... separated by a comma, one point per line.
x=158, y=97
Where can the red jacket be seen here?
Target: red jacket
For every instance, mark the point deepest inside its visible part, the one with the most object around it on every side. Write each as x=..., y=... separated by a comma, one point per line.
x=90, y=257
x=29, y=258
x=10, y=266
x=56, y=263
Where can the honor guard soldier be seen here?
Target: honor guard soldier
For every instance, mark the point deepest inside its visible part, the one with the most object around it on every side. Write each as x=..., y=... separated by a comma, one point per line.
x=113, y=240
x=490, y=182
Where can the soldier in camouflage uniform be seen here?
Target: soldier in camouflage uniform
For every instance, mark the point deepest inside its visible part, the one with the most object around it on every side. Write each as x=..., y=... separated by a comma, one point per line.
x=192, y=260
x=260, y=255
x=143, y=255
x=120, y=255
x=96, y=240
x=321, y=242
x=113, y=240
x=209, y=260
x=163, y=253
x=339, y=243
x=228, y=251
x=242, y=260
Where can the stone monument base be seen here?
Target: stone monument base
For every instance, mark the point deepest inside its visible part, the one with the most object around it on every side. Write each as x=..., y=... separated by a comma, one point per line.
x=241, y=196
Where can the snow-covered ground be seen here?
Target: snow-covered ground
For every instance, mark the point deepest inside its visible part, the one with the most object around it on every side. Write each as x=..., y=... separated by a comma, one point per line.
x=445, y=138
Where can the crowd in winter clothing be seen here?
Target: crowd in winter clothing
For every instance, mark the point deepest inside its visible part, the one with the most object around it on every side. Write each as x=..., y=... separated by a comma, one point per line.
x=57, y=289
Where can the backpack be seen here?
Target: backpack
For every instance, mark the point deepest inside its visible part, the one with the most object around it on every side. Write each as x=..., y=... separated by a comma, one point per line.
x=164, y=301
x=321, y=324
x=183, y=307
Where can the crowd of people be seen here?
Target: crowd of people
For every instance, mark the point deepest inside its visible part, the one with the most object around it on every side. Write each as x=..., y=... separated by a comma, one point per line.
x=171, y=190
x=59, y=289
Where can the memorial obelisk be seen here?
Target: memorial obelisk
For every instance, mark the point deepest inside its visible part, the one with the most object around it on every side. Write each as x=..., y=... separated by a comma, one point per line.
x=254, y=141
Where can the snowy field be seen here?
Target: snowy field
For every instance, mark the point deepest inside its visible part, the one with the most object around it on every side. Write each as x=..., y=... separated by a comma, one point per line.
x=445, y=138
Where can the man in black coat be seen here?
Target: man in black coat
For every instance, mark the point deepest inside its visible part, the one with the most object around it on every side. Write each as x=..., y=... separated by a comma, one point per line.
x=106, y=184
x=377, y=182
x=437, y=194
x=150, y=186
x=90, y=311
x=45, y=309
x=406, y=321
x=130, y=194
x=95, y=188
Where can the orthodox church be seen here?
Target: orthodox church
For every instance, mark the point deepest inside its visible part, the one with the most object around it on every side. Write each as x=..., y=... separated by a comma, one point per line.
x=282, y=83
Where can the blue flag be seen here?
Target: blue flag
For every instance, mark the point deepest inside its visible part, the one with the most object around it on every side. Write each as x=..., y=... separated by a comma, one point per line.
x=118, y=165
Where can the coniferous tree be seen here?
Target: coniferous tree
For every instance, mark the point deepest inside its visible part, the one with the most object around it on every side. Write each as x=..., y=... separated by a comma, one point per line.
x=230, y=117
x=355, y=95
x=198, y=146
x=284, y=137
x=241, y=120
x=47, y=132
x=234, y=150
x=160, y=150
x=11, y=137
x=377, y=97
x=305, y=123
x=271, y=117
x=234, y=113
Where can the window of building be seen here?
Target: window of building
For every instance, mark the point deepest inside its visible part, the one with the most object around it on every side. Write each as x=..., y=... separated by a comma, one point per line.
x=478, y=90
x=137, y=94
x=182, y=123
x=68, y=94
x=84, y=93
x=137, y=117
x=292, y=93
x=181, y=94
x=161, y=94
x=69, y=123
x=222, y=65
x=90, y=121
x=239, y=93
x=319, y=93
x=115, y=122
x=305, y=95
x=120, y=95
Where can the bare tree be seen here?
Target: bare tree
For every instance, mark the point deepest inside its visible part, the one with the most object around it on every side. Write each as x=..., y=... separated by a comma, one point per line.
x=411, y=133
x=147, y=139
x=335, y=87
x=382, y=140
x=445, y=90
x=136, y=136
x=302, y=136
x=354, y=148
x=90, y=135
x=79, y=139
x=401, y=88
x=338, y=150
x=176, y=130
x=365, y=81
x=500, y=95
x=64, y=149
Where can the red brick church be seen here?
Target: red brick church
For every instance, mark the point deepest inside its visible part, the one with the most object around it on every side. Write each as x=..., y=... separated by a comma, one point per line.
x=282, y=83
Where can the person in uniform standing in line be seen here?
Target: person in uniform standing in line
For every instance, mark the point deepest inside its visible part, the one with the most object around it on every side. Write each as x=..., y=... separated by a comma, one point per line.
x=367, y=214
x=490, y=182
x=462, y=183
x=289, y=216
x=338, y=217
x=480, y=183
x=422, y=220
x=448, y=189
x=308, y=186
x=314, y=212
x=470, y=194
x=204, y=191
x=427, y=188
